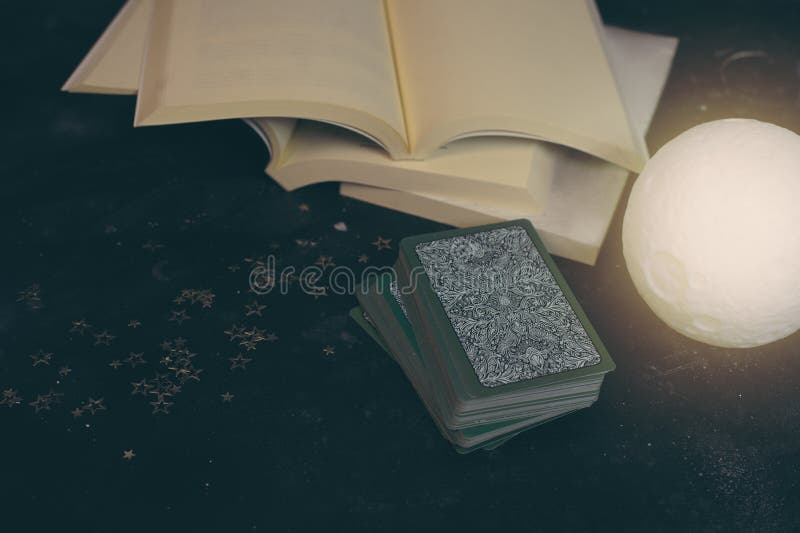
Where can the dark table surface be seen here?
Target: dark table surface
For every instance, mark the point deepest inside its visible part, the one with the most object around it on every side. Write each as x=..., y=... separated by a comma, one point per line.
x=109, y=224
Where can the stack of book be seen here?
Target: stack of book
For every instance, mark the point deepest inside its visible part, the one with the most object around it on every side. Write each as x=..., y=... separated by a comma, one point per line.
x=486, y=330
x=459, y=111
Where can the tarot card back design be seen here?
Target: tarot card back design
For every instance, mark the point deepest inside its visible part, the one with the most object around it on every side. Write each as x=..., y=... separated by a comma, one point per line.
x=507, y=310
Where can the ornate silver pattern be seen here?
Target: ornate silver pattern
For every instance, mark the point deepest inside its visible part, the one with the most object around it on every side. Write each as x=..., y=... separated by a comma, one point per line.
x=505, y=306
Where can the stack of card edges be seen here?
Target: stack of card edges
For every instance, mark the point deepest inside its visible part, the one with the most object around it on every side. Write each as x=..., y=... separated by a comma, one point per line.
x=486, y=329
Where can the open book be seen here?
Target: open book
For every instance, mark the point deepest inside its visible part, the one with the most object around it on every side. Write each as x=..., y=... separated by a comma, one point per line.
x=569, y=197
x=585, y=190
x=412, y=75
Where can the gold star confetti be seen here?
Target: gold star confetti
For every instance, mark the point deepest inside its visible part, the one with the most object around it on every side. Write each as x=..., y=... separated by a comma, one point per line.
x=40, y=404
x=382, y=244
x=80, y=326
x=239, y=362
x=10, y=398
x=226, y=397
x=161, y=406
x=254, y=308
x=306, y=243
x=179, y=316
x=104, y=338
x=41, y=358
x=128, y=454
x=31, y=296
x=325, y=261
x=363, y=258
x=134, y=324
x=64, y=371
x=43, y=401
x=115, y=364
x=234, y=332
x=202, y=296
x=136, y=358
x=93, y=406
x=329, y=350
x=140, y=387
x=249, y=345
x=255, y=333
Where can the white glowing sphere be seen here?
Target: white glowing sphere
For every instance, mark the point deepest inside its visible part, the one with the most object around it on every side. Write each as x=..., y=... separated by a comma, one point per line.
x=711, y=234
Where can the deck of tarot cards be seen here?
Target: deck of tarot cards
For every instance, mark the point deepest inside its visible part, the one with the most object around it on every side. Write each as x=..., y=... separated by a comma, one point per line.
x=487, y=332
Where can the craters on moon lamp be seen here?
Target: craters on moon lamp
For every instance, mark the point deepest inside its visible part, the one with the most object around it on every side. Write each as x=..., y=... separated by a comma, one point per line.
x=711, y=234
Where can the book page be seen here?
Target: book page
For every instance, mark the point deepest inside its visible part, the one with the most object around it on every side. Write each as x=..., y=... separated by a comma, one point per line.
x=112, y=65
x=275, y=132
x=584, y=197
x=316, y=59
x=509, y=171
x=516, y=67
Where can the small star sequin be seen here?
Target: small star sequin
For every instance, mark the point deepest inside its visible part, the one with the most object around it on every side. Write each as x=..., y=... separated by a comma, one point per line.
x=10, y=398
x=140, y=387
x=31, y=296
x=205, y=297
x=161, y=406
x=115, y=364
x=329, y=350
x=254, y=308
x=325, y=261
x=41, y=358
x=40, y=404
x=249, y=345
x=227, y=397
x=135, y=359
x=179, y=316
x=80, y=326
x=134, y=324
x=304, y=208
x=64, y=371
x=363, y=258
x=128, y=454
x=77, y=412
x=233, y=268
x=239, y=362
x=44, y=401
x=92, y=406
x=382, y=244
x=103, y=338
x=234, y=332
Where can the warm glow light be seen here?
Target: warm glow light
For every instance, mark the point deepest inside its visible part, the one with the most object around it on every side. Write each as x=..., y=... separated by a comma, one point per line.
x=711, y=235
